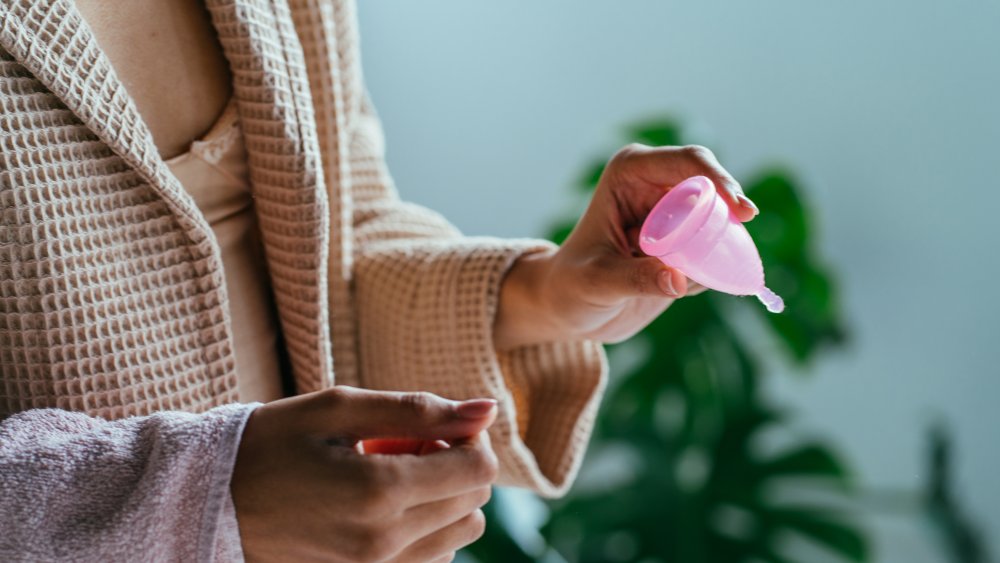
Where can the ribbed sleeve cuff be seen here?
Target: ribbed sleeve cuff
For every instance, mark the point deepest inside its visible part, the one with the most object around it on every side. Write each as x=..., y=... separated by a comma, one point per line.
x=426, y=316
x=557, y=390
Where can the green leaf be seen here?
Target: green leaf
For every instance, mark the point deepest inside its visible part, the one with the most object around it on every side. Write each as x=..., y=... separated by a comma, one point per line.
x=810, y=460
x=811, y=320
x=561, y=232
x=841, y=537
x=689, y=400
x=660, y=132
x=760, y=549
x=591, y=176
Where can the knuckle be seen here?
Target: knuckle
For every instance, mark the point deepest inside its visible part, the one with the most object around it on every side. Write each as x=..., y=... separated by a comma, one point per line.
x=699, y=153
x=483, y=495
x=486, y=467
x=476, y=525
x=633, y=148
x=628, y=151
x=421, y=402
x=333, y=397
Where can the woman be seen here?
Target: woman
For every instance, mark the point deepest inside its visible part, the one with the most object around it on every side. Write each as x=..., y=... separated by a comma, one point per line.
x=197, y=220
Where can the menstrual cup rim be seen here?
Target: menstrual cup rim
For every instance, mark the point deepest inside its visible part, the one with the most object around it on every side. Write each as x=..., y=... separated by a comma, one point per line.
x=699, y=214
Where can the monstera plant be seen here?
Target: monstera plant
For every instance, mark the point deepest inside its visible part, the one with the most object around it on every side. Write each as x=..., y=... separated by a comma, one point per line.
x=684, y=465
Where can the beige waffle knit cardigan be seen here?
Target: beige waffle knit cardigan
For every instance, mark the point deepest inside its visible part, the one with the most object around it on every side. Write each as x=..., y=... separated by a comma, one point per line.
x=112, y=295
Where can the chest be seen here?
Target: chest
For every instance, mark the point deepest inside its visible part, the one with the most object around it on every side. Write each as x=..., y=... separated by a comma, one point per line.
x=118, y=308
x=168, y=57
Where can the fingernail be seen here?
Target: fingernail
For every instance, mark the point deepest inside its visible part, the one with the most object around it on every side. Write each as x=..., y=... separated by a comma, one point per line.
x=745, y=202
x=476, y=408
x=679, y=282
x=666, y=284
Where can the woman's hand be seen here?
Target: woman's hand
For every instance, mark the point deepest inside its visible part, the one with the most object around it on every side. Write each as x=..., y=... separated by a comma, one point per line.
x=599, y=285
x=304, y=492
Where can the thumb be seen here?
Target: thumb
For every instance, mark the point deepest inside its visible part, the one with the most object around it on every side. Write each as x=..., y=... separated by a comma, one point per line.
x=629, y=276
x=356, y=414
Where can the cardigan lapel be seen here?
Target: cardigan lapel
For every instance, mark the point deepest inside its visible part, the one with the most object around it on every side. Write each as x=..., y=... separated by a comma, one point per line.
x=271, y=85
x=52, y=40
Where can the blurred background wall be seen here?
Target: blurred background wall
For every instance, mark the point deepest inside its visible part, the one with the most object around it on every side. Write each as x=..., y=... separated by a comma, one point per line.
x=888, y=112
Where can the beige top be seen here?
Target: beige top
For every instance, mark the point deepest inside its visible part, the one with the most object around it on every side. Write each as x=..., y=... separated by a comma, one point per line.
x=215, y=172
x=113, y=299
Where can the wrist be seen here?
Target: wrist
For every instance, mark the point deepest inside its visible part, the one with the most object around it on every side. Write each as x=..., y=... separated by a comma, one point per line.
x=524, y=313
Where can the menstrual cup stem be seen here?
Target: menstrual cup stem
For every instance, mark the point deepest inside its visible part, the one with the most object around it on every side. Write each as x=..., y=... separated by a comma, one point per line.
x=771, y=300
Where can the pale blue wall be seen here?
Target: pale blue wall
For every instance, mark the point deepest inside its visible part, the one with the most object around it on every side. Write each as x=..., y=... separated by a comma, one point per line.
x=887, y=110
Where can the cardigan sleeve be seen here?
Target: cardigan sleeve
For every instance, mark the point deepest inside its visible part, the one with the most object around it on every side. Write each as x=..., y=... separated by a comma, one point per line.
x=74, y=487
x=425, y=300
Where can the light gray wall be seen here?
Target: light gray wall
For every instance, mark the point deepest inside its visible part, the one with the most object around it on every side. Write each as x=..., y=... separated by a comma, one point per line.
x=887, y=110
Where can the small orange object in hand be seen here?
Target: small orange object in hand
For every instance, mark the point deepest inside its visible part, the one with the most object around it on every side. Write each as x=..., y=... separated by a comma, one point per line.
x=410, y=446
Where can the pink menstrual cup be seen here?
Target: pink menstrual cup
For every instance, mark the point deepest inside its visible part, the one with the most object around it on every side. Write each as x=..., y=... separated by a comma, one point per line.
x=692, y=229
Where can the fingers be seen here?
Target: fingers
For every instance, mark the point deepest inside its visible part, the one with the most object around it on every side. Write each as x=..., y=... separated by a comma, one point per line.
x=347, y=412
x=465, y=466
x=294, y=486
x=424, y=519
x=442, y=543
x=728, y=187
x=627, y=276
x=667, y=166
x=672, y=283
x=389, y=537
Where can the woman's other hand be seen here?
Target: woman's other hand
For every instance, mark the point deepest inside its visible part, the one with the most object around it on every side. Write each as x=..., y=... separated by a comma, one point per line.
x=599, y=285
x=303, y=491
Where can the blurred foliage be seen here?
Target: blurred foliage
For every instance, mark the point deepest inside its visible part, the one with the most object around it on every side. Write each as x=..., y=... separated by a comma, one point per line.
x=678, y=469
x=962, y=541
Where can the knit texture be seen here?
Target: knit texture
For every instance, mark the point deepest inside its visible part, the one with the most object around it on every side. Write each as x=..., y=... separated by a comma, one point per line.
x=112, y=299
